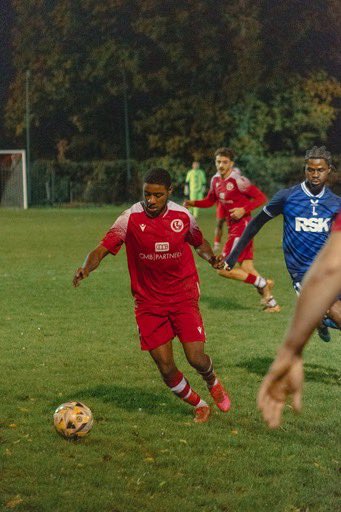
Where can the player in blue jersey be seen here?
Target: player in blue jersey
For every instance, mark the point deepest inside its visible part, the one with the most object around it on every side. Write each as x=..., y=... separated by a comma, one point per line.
x=308, y=210
x=321, y=285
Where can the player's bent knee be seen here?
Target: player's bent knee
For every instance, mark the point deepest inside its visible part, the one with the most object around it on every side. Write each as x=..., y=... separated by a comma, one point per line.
x=166, y=368
x=167, y=374
x=198, y=361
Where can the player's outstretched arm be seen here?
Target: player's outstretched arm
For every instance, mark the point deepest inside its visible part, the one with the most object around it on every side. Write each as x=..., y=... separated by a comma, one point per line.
x=285, y=377
x=206, y=253
x=252, y=229
x=91, y=262
x=207, y=202
x=188, y=203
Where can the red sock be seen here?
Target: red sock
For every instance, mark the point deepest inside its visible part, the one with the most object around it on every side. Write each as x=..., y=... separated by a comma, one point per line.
x=181, y=388
x=251, y=279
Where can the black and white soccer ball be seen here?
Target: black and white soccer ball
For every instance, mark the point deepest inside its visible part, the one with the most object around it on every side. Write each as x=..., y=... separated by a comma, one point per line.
x=73, y=420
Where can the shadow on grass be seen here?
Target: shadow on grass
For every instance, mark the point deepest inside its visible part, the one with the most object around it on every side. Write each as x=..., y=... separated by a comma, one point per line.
x=135, y=399
x=223, y=303
x=312, y=372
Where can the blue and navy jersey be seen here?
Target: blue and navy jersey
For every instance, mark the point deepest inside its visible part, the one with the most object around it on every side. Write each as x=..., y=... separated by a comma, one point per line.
x=307, y=222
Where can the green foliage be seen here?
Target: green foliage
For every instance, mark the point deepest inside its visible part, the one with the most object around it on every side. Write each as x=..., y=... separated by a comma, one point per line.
x=304, y=111
x=250, y=123
x=104, y=182
x=196, y=75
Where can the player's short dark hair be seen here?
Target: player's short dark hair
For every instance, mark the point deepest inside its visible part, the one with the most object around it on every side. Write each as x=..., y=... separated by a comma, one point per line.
x=320, y=153
x=223, y=151
x=158, y=176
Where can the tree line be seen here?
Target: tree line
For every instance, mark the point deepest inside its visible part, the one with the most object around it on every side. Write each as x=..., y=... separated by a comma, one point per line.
x=260, y=76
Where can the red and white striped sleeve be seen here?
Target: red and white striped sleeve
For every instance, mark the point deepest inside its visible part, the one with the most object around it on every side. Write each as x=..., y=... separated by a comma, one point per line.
x=115, y=237
x=194, y=236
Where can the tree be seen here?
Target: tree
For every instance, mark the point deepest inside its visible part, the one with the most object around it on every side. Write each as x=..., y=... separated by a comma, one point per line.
x=199, y=74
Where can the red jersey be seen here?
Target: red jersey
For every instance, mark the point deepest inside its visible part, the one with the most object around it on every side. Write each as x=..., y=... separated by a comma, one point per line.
x=160, y=260
x=235, y=191
x=337, y=223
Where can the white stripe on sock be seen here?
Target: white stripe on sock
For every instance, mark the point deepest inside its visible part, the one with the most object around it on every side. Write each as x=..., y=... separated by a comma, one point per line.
x=180, y=387
x=202, y=403
x=189, y=392
x=260, y=282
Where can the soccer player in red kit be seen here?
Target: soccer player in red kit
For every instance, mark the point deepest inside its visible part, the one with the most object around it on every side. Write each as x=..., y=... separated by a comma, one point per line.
x=164, y=282
x=237, y=197
x=220, y=217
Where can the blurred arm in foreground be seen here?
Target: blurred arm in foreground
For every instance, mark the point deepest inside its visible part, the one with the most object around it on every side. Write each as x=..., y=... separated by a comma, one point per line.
x=321, y=286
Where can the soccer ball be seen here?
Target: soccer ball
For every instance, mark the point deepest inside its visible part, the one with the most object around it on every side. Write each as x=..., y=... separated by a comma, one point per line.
x=73, y=420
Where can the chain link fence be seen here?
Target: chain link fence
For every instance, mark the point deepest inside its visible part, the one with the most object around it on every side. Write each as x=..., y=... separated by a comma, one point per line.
x=105, y=182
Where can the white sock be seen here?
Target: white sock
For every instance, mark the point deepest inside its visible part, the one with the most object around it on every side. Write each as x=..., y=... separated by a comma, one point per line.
x=202, y=403
x=271, y=303
x=260, y=282
x=214, y=383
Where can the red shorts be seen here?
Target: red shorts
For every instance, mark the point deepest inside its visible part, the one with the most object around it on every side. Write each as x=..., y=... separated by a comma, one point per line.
x=235, y=232
x=158, y=325
x=220, y=212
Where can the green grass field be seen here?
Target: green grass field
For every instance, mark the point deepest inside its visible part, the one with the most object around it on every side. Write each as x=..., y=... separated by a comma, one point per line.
x=144, y=453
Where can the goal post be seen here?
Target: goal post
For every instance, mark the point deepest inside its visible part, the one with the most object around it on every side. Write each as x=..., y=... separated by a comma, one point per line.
x=13, y=178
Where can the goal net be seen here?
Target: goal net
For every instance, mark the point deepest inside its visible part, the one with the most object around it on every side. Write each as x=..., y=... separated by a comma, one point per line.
x=13, y=181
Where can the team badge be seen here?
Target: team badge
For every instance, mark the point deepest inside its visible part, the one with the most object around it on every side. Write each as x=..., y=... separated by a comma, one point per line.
x=143, y=227
x=229, y=186
x=177, y=225
x=314, y=205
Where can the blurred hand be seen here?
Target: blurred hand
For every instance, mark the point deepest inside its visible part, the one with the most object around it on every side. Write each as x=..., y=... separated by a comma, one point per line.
x=229, y=263
x=217, y=262
x=188, y=203
x=237, y=213
x=284, y=378
x=79, y=276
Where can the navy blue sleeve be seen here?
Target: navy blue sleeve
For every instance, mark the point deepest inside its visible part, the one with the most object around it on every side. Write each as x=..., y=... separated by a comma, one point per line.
x=251, y=230
x=276, y=204
x=272, y=209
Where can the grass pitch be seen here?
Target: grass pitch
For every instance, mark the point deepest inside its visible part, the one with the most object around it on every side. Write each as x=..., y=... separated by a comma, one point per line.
x=145, y=453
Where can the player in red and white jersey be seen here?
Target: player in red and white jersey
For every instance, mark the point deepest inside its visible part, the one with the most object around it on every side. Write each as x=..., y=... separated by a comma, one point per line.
x=321, y=284
x=237, y=198
x=220, y=217
x=164, y=282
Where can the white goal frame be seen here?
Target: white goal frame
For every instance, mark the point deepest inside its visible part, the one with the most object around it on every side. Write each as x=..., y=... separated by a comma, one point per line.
x=21, y=152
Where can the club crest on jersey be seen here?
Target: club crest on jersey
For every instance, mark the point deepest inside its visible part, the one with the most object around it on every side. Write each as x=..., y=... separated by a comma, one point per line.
x=314, y=205
x=161, y=246
x=143, y=227
x=229, y=186
x=313, y=225
x=177, y=225
x=200, y=329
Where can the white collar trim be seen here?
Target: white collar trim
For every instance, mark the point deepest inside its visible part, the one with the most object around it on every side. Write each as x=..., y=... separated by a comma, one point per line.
x=307, y=191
